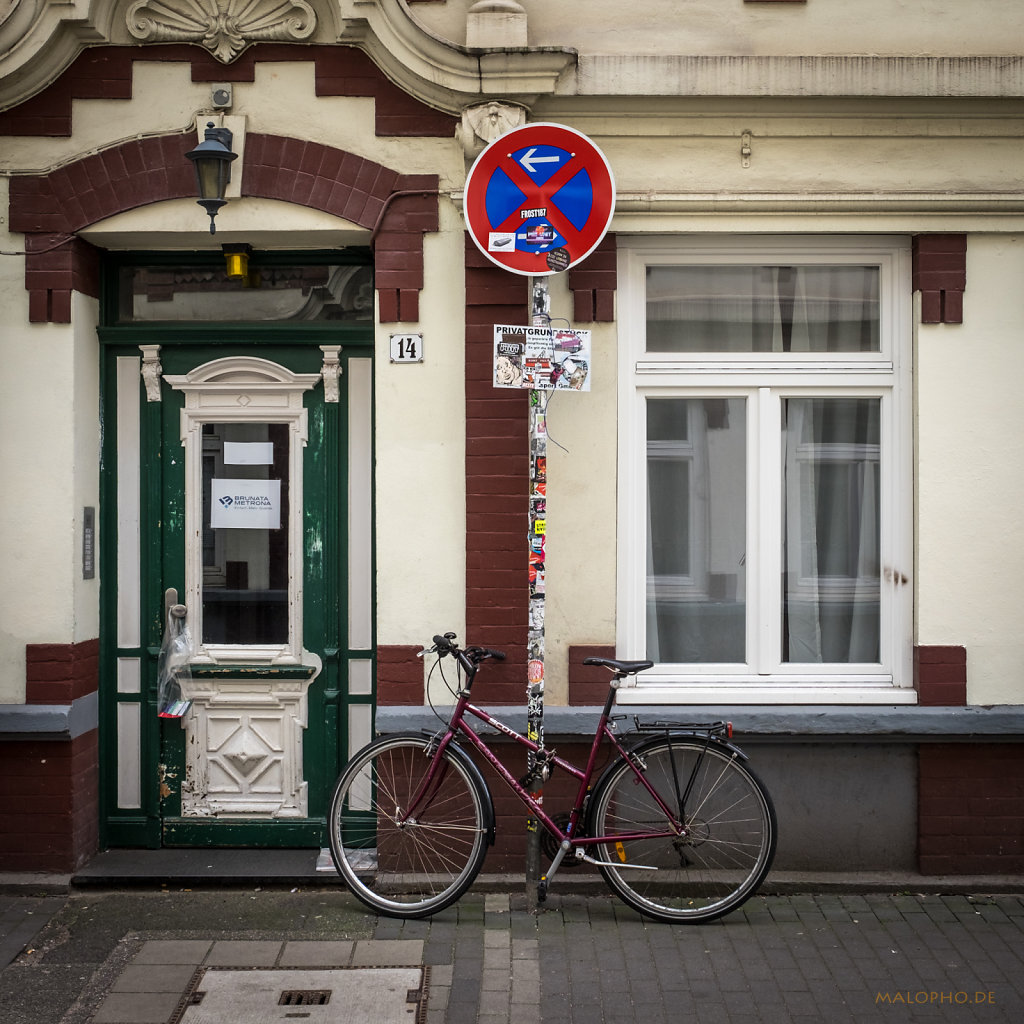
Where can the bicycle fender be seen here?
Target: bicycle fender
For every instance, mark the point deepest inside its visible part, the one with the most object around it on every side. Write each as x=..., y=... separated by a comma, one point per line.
x=478, y=778
x=721, y=745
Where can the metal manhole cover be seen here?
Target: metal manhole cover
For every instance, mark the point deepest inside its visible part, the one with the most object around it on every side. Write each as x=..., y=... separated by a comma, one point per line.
x=341, y=995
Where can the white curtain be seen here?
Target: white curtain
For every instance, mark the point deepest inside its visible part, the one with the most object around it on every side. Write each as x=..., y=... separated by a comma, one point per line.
x=830, y=467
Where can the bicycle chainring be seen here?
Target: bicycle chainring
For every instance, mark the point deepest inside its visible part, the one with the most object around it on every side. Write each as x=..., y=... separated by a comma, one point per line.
x=549, y=844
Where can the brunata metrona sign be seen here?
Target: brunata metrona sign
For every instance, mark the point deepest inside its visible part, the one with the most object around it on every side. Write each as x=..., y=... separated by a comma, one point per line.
x=245, y=504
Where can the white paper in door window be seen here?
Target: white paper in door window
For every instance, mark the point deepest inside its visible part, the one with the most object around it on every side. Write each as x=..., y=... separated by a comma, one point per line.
x=248, y=453
x=245, y=504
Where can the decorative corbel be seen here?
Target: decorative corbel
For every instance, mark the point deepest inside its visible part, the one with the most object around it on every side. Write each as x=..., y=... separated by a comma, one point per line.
x=331, y=372
x=151, y=371
x=485, y=122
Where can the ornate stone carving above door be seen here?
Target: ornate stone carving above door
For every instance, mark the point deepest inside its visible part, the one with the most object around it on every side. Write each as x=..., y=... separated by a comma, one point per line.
x=224, y=27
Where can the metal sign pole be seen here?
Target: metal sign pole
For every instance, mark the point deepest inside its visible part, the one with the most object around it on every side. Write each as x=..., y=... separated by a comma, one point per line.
x=522, y=216
x=540, y=315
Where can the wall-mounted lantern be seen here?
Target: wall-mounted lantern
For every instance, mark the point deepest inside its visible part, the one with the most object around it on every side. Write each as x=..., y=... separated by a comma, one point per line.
x=212, y=161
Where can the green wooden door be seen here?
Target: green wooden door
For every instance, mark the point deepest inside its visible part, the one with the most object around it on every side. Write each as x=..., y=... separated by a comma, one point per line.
x=252, y=498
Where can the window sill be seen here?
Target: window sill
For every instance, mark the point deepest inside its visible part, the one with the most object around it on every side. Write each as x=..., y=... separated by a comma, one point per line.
x=737, y=694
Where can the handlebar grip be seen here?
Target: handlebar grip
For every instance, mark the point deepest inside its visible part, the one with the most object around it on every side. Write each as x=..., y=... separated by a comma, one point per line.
x=443, y=643
x=497, y=655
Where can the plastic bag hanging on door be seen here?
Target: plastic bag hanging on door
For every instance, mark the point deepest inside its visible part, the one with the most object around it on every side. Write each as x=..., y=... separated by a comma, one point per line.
x=172, y=666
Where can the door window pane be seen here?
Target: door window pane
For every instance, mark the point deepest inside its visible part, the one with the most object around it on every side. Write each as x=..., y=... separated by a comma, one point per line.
x=696, y=530
x=245, y=533
x=762, y=309
x=205, y=294
x=831, y=562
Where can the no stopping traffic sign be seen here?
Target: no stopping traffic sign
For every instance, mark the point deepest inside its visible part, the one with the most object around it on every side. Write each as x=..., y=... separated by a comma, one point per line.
x=539, y=199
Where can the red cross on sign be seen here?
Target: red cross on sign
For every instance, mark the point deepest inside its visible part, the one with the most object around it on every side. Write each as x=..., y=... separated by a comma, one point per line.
x=539, y=199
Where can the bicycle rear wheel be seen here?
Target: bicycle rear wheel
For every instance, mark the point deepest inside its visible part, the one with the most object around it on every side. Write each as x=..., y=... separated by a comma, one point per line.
x=408, y=843
x=709, y=865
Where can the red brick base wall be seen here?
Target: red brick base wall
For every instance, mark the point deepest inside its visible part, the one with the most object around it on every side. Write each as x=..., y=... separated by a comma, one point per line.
x=971, y=808
x=49, y=788
x=49, y=803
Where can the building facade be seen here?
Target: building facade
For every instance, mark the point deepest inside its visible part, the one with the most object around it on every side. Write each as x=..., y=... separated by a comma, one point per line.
x=791, y=481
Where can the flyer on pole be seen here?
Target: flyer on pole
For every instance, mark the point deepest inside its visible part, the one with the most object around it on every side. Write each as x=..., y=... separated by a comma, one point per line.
x=541, y=358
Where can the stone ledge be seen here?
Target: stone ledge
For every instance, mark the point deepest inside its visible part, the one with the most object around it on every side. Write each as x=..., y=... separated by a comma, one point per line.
x=811, y=723
x=50, y=721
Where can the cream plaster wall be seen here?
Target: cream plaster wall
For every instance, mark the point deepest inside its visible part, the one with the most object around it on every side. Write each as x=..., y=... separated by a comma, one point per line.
x=49, y=466
x=281, y=101
x=164, y=99
x=420, y=457
x=579, y=550
x=734, y=27
x=970, y=486
x=86, y=455
x=692, y=148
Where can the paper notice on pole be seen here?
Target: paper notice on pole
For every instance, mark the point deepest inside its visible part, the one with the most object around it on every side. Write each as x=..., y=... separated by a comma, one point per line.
x=245, y=504
x=541, y=358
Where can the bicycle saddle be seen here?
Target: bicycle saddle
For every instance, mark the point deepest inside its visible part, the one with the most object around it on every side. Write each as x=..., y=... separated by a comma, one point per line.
x=622, y=668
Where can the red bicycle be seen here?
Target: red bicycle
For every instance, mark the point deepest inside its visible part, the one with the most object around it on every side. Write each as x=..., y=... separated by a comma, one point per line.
x=680, y=828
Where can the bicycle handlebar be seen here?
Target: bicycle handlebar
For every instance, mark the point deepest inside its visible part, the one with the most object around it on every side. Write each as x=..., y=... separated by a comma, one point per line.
x=446, y=645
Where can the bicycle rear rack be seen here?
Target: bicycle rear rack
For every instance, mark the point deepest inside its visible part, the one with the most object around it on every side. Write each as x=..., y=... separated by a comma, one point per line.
x=720, y=729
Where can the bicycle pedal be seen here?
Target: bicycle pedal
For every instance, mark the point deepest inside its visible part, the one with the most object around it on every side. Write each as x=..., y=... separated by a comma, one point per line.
x=542, y=890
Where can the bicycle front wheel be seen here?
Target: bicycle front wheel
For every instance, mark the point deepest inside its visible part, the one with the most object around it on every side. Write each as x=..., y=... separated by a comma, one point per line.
x=408, y=835
x=709, y=857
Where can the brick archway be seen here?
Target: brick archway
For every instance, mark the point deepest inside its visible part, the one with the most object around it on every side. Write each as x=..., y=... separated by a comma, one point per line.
x=398, y=209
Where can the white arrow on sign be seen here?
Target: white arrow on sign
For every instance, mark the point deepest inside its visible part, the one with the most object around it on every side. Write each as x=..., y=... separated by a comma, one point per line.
x=528, y=160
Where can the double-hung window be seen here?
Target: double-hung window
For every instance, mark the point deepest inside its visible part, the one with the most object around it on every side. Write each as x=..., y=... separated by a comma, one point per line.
x=765, y=480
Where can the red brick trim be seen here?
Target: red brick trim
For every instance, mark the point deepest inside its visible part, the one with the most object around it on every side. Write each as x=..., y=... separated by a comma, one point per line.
x=397, y=208
x=49, y=803
x=105, y=72
x=593, y=284
x=940, y=275
x=497, y=483
x=940, y=676
x=971, y=808
x=61, y=673
x=399, y=674
x=588, y=684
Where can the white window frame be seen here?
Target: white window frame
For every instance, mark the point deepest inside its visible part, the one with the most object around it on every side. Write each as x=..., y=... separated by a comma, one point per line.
x=764, y=380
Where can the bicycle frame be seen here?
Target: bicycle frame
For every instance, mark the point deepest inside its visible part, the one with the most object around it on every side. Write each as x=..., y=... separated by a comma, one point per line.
x=457, y=725
x=680, y=829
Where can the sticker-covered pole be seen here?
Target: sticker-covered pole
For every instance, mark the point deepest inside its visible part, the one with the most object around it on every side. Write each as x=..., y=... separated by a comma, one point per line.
x=540, y=315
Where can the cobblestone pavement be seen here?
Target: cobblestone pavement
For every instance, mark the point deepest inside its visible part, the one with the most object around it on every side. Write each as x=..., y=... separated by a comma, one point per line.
x=130, y=959
x=798, y=958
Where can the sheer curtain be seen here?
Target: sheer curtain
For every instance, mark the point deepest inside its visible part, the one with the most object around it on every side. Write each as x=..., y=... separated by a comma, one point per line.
x=831, y=564
x=831, y=610
x=817, y=308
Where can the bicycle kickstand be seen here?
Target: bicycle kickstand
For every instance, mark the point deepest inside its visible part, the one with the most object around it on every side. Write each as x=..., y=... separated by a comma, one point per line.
x=545, y=879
